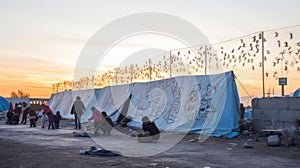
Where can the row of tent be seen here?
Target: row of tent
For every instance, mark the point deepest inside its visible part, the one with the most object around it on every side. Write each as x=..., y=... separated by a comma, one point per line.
x=207, y=104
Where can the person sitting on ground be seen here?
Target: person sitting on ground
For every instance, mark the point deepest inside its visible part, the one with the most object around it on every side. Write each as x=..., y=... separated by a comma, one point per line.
x=44, y=120
x=51, y=120
x=97, y=117
x=150, y=131
x=107, y=124
x=57, y=118
x=10, y=117
x=32, y=118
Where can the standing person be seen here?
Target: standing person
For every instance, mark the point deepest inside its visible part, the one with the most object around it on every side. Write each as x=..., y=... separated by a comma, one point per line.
x=44, y=119
x=97, y=117
x=25, y=113
x=11, y=107
x=77, y=109
x=150, y=131
x=17, y=112
x=57, y=118
x=242, y=111
x=46, y=109
x=32, y=118
x=51, y=120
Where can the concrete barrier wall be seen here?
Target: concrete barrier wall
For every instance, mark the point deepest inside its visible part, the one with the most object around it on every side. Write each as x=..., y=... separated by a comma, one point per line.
x=276, y=113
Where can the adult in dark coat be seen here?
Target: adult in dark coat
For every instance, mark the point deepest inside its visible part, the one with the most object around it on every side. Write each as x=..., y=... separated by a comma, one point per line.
x=150, y=131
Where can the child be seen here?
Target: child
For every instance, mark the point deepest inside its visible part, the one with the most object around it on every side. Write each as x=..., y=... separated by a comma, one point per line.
x=44, y=119
x=51, y=120
x=57, y=118
x=32, y=118
x=97, y=117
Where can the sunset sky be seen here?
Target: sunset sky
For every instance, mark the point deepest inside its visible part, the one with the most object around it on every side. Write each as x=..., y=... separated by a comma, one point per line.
x=41, y=40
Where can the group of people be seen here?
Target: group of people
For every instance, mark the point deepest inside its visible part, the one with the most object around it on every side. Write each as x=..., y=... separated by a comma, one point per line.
x=48, y=118
x=22, y=110
x=103, y=122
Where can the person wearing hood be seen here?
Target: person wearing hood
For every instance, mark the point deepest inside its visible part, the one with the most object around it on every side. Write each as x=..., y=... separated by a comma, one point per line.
x=150, y=131
x=77, y=109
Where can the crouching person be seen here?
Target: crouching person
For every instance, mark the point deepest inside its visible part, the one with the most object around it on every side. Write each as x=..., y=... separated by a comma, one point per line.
x=150, y=131
x=32, y=118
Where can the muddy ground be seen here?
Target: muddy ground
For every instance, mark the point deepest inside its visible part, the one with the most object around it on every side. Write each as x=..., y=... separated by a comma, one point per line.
x=21, y=146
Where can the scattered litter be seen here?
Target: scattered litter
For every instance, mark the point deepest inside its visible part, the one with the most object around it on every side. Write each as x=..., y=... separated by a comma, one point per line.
x=82, y=134
x=100, y=152
x=246, y=145
x=229, y=148
x=206, y=167
x=153, y=164
x=192, y=140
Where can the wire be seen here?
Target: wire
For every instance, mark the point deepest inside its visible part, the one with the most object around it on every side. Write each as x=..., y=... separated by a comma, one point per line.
x=242, y=86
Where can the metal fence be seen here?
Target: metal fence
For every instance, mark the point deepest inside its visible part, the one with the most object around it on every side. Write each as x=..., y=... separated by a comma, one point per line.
x=258, y=61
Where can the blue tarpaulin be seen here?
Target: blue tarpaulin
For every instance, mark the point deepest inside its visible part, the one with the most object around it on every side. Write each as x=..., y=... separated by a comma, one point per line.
x=4, y=105
x=204, y=104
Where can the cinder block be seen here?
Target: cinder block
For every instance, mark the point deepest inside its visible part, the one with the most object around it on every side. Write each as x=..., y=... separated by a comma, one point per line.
x=270, y=115
x=258, y=125
x=286, y=115
x=294, y=103
x=280, y=103
x=256, y=114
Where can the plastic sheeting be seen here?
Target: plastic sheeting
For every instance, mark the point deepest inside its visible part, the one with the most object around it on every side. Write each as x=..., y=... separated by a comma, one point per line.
x=296, y=93
x=202, y=104
x=4, y=105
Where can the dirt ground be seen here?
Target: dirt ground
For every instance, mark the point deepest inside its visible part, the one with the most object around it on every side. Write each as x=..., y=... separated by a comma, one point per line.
x=21, y=146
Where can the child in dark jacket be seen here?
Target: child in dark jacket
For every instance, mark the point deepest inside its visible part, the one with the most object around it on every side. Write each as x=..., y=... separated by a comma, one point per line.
x=57, y=118
x=51, y=120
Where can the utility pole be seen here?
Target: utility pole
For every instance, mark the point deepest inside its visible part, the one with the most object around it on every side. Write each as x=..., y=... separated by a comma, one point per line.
x=263, y=61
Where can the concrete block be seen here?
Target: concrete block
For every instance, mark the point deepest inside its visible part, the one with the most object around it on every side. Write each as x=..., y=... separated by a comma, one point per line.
x=272, y=103
x=286, y=115
x=270, y=115
x=294, y=103
x=254, y=103
x=258, y=125
x=256, y=114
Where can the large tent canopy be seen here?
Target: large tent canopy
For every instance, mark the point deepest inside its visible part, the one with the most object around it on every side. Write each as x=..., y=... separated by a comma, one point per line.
x=206, y=104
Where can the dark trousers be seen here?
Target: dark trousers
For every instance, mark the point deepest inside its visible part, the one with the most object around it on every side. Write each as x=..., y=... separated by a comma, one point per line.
x=51, y=124
x=77, y=122
x=56, y=125
x=24, y=119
